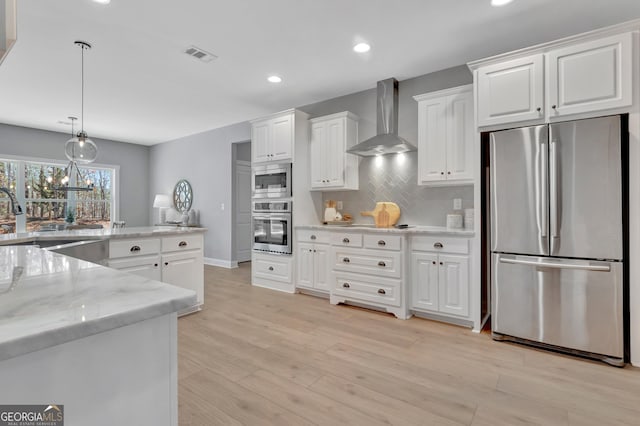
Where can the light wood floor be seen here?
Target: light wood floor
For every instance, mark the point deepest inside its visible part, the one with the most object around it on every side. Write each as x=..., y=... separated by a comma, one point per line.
x=260, y=357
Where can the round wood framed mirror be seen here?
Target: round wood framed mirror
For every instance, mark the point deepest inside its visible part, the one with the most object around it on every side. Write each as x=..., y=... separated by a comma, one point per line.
x=182, y=195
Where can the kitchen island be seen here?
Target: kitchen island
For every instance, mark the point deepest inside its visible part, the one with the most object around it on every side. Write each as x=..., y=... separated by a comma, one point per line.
x=99, y=341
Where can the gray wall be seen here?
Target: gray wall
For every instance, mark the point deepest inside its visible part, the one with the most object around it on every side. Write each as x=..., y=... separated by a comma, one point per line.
x=133, y=160
x=386, y=179
x=205, y=160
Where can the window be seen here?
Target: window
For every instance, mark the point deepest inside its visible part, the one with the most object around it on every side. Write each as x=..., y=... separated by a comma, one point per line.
x=46, y=205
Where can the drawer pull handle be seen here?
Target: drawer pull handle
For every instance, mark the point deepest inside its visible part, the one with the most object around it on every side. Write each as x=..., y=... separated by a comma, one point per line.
x=182, y=244
x=382, y=243
x=135, y=249
x=345, y=240
x=166, y=263
x=271, y=268
x=381, y=291
x=313, y=237
x=381, y=263
x=345, y=285
x=346, y=260
x=438, y=245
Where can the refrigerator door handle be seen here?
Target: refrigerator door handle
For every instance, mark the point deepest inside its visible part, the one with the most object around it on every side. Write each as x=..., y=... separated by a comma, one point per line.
x=543, y=206
x=585, y=267
x=554, y=193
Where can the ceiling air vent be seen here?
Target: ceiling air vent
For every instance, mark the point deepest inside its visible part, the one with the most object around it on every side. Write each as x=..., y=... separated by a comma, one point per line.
x=200, y=54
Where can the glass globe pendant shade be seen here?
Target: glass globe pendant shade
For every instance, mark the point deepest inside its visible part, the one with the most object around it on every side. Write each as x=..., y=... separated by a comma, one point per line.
x=81, y=149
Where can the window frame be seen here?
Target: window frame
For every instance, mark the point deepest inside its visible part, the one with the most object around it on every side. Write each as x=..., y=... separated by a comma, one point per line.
x=21, y=220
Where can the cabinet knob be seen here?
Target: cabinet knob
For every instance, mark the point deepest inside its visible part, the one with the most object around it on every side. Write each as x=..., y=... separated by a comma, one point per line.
x=381, y=291
x=271, y=268
x=448, y=173
x=441, y=263
x=345, y=240
x=166, y=263
x=313, y=237
x=134, y=249
x=438, y=245
x=346, y=260
x=155, y=265
x=538, y=109
x=345, y=285
x=381, y=263
x=434, y=262
x=553, y=106
x=441, y=173
x=382, y=243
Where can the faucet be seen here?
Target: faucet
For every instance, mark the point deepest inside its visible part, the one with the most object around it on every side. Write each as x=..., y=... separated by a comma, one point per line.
x=15, y=207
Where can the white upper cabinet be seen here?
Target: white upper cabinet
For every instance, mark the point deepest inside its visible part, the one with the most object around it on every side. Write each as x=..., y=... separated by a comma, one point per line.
x=591, y=76
x=576, y=78
x=445, y=137
x=331, y=168
x=511, y=91
x=272, y=138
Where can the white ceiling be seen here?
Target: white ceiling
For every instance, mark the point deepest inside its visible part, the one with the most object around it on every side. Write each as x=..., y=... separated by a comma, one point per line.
x=142, y=88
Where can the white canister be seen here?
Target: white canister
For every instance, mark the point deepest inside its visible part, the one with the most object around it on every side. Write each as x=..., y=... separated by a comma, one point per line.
x=454, y=221
x=468, y=218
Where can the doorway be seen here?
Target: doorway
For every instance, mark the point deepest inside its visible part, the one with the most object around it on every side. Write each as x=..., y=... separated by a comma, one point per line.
x=242, y=233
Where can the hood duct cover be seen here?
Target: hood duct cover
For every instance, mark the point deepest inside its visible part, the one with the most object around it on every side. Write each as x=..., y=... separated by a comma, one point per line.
x=387, y=140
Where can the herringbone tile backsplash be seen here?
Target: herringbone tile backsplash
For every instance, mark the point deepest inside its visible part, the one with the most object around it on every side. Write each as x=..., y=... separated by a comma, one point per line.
x=394, y=178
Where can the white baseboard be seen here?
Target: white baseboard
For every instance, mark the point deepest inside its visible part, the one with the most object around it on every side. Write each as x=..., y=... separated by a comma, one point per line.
x=229, y=264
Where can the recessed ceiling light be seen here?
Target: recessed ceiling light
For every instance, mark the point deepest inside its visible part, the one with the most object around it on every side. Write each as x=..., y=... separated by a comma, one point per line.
x=102, y=1
x=274, y=79
x=361, y=48
x=500, y=2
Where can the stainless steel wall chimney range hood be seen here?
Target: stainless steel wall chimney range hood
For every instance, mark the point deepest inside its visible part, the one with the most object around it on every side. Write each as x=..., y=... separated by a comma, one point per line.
x=387, y=140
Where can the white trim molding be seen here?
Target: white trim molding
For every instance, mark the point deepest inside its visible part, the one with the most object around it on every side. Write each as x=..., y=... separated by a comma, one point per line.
x=229, y=264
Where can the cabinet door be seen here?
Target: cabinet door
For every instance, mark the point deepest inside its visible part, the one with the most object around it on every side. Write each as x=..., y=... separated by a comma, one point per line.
x=453, y=284
x=186, y=270
x=318, y=156
x=424, y=275
x=321, y=272
x=260, y=142
x=145, y=266
x=460, y=136
x=511, y=91
x=432, y=152
x=335, y=152
x=305, y=265
x=590, y=76
x=282, y=138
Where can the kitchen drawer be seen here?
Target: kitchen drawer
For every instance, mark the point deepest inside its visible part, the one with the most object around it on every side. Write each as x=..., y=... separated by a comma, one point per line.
x=346, y=239
x=312, y=236
x=182, y=242
x=440, y=244
x=382, y=241
x=357, y=288
x=133, y=247
x=272, y=267
x=373, y=262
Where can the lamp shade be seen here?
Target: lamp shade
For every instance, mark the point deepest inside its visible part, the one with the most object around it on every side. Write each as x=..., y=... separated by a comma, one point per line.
x=162, y=200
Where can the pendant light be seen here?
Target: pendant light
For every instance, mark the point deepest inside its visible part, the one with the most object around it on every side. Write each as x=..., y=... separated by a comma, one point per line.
x=80, y=148
x=68, y=171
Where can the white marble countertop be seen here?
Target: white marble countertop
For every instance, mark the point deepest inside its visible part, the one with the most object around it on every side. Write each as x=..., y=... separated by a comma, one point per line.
x=426, y=230
x=96, y=234
x=47, y=299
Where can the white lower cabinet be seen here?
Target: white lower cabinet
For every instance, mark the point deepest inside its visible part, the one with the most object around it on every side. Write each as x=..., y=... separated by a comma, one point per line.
x=440, y=280
x=312, y=260
x=370, y=276
x=176, y=260
x=272, y=271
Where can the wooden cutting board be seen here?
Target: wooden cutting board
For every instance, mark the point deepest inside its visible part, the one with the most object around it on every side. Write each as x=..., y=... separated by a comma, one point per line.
x=385, y=214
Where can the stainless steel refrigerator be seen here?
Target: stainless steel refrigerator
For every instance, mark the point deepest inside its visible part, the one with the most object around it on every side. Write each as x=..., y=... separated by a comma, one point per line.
x=556, y=199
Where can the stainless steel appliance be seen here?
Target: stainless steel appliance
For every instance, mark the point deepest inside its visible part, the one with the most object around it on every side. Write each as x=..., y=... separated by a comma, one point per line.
x=271, y=181
x=557, y=236
x=272, y=226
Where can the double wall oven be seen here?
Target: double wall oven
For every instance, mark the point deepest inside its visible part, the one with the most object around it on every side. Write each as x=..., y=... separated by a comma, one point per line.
x=272, y=208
